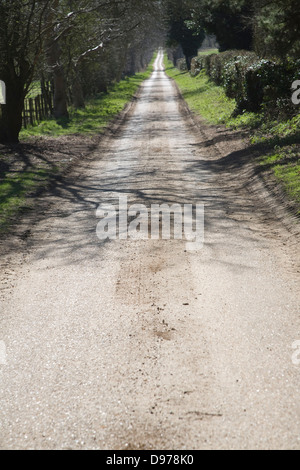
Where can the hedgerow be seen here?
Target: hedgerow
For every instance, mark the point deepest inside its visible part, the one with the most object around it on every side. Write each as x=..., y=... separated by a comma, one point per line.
x=253, y=82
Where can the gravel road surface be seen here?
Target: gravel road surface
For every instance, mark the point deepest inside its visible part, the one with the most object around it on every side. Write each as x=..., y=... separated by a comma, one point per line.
x=144, y=344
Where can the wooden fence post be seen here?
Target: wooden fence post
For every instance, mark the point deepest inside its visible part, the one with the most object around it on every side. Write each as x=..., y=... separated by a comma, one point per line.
x=39, y=108
x=31, y=111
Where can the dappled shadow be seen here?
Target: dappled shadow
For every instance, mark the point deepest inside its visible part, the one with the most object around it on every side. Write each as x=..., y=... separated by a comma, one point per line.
x=200, y=89
x=28, y=166
x=65, y=123
x=154, y=159
x=72, y=223
x=221, y=136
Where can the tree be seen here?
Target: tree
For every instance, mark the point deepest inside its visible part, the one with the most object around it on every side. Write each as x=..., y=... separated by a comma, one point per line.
x=277, y=28
x=23, y=26
x=231, y=21
x=107, y=40
x=69, y=36
x=181, y=30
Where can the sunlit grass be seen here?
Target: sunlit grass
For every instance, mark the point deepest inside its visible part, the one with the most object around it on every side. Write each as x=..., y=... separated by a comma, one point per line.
x=99, y=111
x=202, y=96
x=208, y=52
x=285, y=163
x=289, y=176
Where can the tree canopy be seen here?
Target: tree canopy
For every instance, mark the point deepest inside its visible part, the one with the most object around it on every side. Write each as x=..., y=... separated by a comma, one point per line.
x=82, y=46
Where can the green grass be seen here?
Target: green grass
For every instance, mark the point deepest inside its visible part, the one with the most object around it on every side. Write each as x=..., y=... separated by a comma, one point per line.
x=276, y=133
x=202, y=97
x=208, y=52
x=289, y=176
x=14, y=191
x=209, y=100
x=284, y=162
x=280, y=139
x=98, y=112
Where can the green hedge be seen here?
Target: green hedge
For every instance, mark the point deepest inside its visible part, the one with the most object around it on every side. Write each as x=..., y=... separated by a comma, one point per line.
x=253, y=82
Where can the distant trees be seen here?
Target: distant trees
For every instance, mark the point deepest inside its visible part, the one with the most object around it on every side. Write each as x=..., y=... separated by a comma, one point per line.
x=180, y=30
x=270, y=27
x=229, y=20
x=190, y=20
x=190, y=41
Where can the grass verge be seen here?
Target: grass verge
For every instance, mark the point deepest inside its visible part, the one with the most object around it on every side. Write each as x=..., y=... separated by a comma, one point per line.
x=279, y=139
x=98, y=112
x=208, y=51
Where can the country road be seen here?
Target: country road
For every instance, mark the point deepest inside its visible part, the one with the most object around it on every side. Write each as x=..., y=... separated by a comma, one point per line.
x=143, y=344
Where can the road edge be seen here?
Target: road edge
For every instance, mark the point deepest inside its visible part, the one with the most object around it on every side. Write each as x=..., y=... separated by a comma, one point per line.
x=256, y=182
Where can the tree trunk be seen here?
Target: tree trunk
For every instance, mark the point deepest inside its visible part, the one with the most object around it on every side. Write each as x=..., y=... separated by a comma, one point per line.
x=60, y=106
x=121, y=71
x=188, y=60
x=131, y=62
x=77, y=93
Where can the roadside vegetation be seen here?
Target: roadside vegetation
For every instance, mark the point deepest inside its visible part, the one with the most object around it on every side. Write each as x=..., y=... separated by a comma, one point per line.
x=96, y=114
x=276, y=134
x=17, y=184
